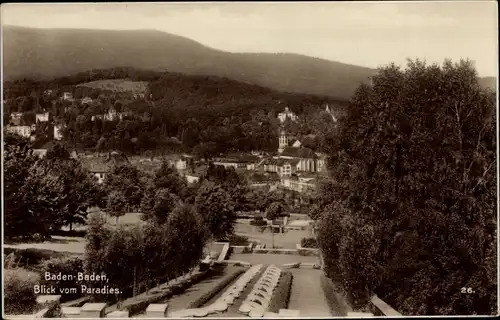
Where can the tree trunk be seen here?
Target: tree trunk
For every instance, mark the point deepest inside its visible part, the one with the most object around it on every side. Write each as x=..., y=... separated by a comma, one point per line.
x=71, y=226
x=272, y=233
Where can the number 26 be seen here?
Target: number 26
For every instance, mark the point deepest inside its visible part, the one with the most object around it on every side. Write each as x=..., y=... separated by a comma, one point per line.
x=466, y=290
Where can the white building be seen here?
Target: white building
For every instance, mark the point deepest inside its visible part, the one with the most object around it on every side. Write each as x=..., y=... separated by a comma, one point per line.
x=86, y=100
x=42, y=117
x=67, y=96
x=283, y=167
x=16, y=116
x=24, y=131
x=58, y=132
x=287, y=114
x=179, y=164
x=298, y=184
x=321, y=162
x=192, y=179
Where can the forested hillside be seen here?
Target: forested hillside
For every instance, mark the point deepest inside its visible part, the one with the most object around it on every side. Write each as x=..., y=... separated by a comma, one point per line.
x=204, y=114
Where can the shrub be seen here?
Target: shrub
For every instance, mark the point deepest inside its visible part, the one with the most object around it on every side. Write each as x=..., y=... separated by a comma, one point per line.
x=64, y=266
x=281, y=294
x=258, y=221
x=33, y=256
x=19, y=294
x=236, y=240
x=309, y=243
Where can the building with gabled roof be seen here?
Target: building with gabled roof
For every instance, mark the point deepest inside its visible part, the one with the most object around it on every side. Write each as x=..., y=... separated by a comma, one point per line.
x=282, y=116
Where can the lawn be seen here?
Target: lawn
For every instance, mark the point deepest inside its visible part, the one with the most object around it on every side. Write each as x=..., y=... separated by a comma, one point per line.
x=119, y=85
x=287, y=240
x=276, y=259
x=73, y=244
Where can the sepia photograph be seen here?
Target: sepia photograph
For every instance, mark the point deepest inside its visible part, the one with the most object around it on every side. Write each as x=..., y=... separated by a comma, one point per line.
x=249, y=159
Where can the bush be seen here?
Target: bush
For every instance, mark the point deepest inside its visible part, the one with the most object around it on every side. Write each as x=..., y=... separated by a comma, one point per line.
x=64, y=266
x=309, y=243
x=19, y=295
x=336, y=303
x=281, y=294
x=32, y=256
x=258, y=221
x=236, y=240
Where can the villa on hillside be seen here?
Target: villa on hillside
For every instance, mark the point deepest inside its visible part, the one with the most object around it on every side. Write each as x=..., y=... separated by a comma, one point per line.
x=16, y=118
x=282, y=116
x=101, y=166
x=23, y=131
x=67, y=96
x=42, y=117
x=42, y=151
x=179, y=163
x=86, y=100
x=58, y=132
x=111, y=115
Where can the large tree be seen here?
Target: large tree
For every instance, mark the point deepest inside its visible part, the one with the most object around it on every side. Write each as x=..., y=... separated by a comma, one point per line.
x=409, y=211
x=214, y=204
x=159, y=206
x=126, y=179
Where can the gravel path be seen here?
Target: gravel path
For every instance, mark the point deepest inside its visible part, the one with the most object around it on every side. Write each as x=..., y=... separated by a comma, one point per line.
x=307, y=295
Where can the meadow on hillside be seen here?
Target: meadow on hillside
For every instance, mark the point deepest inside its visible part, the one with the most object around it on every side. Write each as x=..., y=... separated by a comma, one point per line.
x=119, y=85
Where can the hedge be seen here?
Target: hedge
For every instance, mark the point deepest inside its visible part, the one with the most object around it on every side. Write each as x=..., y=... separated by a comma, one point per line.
x=137, y=306
x=281, y=294
x=19, y=294
x=259, y=222
x=214, y=291
x=33, y=256
x=335, y=300
x=309, y=243
x=236, y=240
x=65, y=266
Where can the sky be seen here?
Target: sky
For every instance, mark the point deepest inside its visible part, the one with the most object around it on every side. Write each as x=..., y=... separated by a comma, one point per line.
x=367, y=34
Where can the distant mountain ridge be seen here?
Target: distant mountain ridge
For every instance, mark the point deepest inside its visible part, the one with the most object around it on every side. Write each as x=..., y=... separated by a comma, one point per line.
x=48, y=53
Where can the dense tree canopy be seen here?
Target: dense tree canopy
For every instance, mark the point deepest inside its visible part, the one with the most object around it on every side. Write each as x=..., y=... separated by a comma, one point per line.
x=42, y=195
x=409, y=210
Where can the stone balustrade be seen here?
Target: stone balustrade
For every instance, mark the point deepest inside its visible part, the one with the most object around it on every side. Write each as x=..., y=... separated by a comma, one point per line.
x=156, y=310
x=380, y=307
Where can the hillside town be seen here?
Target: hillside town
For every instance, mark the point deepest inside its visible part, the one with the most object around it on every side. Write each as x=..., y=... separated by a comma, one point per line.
x=292, y=166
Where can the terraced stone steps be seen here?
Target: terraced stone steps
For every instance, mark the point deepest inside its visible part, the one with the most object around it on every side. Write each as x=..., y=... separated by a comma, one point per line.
x=257, y=302
x=222, y=303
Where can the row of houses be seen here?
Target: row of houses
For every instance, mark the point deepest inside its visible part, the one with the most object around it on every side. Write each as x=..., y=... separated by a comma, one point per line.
x=15, y=117
x=29, y=131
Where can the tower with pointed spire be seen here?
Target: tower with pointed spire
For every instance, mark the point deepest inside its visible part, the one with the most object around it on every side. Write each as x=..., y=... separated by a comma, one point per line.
x=283, y=141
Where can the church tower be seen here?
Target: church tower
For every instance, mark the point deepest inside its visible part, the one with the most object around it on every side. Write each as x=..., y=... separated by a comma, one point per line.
x=283, y=141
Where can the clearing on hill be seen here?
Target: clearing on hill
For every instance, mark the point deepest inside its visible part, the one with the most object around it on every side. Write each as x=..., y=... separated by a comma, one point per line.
x=119, y=85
